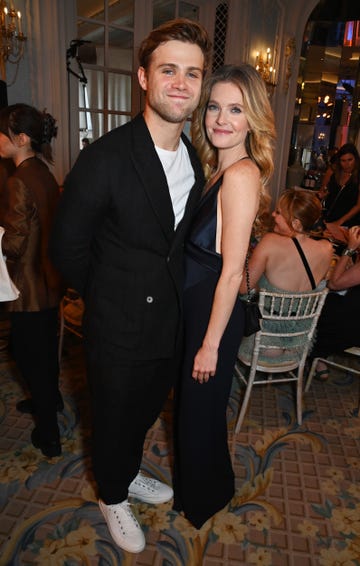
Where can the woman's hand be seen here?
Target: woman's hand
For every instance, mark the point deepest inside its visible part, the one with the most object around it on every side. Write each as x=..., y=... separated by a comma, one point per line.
x=354, y=238
x=322, y=192
x=336, y=232
x=205, y=363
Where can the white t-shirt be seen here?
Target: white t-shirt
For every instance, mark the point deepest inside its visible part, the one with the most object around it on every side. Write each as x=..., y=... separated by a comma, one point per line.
x=180, y=177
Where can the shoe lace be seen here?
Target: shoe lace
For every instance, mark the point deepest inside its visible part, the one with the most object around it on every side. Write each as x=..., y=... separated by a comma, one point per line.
x=127, y=508
x=146, y=482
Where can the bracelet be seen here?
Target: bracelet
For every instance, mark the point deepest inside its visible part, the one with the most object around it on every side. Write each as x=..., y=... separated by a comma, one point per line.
x=349, y=252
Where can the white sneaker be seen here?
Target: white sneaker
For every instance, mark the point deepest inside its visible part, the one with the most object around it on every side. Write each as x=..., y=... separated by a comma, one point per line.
x=123, y=526
x=150, y=490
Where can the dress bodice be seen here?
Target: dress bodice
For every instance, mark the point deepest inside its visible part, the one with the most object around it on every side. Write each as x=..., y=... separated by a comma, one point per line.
x=264, y=283
x=200, y=248
x=203, y=228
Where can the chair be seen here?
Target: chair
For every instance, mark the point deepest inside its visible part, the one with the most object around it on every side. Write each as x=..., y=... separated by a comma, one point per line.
x=349, y=353
x=281, y=345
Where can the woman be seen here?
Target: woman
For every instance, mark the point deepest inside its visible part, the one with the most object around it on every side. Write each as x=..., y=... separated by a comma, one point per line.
x=289, y=259
x=29, y=200
x=342, y=194
x=233, y=131
x=338, y=326
x=275, y=262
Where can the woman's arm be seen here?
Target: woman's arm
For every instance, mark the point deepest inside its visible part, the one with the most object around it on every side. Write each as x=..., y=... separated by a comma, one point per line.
x=346, y=274
x=15, y=218
x=322, y=192
x=239, y=201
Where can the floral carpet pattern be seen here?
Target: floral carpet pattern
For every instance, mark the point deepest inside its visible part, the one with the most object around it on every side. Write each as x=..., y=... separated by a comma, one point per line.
x=297, y=501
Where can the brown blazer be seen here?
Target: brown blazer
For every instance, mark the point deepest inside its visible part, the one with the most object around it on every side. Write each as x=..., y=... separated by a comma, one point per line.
x=28, y=202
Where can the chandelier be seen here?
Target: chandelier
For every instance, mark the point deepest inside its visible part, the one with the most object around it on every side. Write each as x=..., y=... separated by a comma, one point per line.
x=12, y=38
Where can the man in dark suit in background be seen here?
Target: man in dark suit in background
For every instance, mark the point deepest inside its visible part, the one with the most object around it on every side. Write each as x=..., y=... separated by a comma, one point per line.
x=118, y=240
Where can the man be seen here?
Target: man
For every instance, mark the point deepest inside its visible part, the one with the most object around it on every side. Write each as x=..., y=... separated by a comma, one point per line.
x=85, y=142
x=118, y=240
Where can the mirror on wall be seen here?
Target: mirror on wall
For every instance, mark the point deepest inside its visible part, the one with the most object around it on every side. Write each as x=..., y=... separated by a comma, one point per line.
x=327, y=106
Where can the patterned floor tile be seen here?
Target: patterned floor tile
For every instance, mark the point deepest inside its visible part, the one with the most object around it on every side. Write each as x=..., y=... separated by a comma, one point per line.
x=298, y=490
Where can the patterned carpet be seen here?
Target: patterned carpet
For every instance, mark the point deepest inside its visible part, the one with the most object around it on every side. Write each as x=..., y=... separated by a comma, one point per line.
x=298, y=490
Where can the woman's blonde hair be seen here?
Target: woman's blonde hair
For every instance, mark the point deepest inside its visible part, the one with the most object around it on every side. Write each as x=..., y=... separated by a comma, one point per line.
x=260, y=138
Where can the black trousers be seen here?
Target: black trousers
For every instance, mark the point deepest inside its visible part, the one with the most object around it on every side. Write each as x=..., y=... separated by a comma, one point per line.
x=127, y=397
x=34, y=343
x=337, y=328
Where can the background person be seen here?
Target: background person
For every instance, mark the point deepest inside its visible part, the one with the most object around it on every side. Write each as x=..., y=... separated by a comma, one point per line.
x=28, y=204
x=276, y=264
x=118, y=240
x=85, y=142
x=338, y=325
x=233, y=132
x=342, y=197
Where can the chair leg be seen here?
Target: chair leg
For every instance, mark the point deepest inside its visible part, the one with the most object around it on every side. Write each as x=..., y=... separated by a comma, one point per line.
x=243, y=409
x=299, y=394
x=246, y=399
x=311, y=373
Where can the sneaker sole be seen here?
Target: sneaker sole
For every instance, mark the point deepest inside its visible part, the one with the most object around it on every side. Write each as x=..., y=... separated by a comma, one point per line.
x=148, y=499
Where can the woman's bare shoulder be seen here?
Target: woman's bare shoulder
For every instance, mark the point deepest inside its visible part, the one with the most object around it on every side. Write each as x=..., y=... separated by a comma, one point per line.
x=323, y=244
x=242, y=167
x=272, y=241
x=274, y=238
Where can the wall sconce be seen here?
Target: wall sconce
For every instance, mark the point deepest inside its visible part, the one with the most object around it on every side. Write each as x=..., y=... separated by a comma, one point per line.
x=12, y=38
x=264, y=67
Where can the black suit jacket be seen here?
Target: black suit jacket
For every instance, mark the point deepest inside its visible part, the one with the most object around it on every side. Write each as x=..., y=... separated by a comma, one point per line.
x=114, y=241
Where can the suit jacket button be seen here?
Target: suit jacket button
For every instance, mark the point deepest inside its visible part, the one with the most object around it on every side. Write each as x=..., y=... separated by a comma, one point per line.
x=149, y=299
x=168, y=259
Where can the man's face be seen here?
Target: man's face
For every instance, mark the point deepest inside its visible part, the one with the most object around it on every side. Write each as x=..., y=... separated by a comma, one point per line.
x=173, y=80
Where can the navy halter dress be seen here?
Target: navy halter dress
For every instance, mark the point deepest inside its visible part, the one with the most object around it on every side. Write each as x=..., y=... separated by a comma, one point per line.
x=203, y=474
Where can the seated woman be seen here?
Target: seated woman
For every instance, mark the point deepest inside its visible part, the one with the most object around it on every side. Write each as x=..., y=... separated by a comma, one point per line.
x=289, y=259
x=338, y=326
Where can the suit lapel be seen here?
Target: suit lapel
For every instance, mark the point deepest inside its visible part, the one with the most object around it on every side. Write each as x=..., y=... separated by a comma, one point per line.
x=194, y=195
x=151, y=173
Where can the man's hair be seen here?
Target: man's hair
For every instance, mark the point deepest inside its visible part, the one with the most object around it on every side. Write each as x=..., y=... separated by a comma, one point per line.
x=180, y=29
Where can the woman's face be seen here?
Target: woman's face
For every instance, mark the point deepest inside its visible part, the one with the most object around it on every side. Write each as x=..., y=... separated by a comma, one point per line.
x=280, y=224
x=347, y=162
x=225, y=121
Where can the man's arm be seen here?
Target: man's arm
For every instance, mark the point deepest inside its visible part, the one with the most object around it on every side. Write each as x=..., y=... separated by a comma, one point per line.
x=79, y=214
